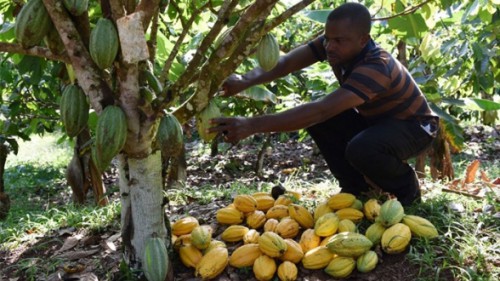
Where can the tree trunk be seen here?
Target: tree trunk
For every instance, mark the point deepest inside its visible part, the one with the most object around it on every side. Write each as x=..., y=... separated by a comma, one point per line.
x=142, y=210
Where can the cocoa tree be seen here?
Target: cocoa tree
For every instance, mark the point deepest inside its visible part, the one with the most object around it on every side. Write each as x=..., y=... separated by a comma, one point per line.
x=139, y=161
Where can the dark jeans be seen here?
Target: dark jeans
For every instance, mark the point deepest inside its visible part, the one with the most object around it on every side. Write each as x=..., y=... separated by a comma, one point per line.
x=353, y=148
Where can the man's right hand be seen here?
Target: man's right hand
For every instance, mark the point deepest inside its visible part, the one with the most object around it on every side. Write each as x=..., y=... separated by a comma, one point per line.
x=234, y=84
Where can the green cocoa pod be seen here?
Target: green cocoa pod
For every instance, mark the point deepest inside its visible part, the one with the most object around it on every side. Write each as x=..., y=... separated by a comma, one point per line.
x=268, y=52
x=76, y=7
x=170, y=136
x=110, y=136
x=155, y=261
x=203, y=119
x=103, y=45
x=32, y=24
x=153, y=82
x=53, y=42
x=74, y=110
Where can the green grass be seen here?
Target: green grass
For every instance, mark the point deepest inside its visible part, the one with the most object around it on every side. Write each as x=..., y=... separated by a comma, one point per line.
x=467, y=248
x=40, y=199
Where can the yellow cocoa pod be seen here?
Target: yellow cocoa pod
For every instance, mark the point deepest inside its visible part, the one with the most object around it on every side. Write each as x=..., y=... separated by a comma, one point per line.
x=340, y=267
x=260, y=193
x=321, y=210
x=229, y=216
x=309, y=240
x=325, y=240
x=214, y=244
x=287, y=228
x=371, y=209
x=190, y=255
x=277, y=212
x=420, y=226
x=341, y=201
x=251, y=237
x=234, y=233
x=271, y=225
x=212, y=263
x=245, y=203
x=326, y=225
x=346, y=225
x=182, y=240
x=317, y=258
x=272, y=244
x=264, y=268
x=396, y=238
x=301, y=215
x=293, y=251
x=256, y=219
x=350, y=214
x=245, y=255
x=184, y=225
x=283, y=200
x=287, y=271
x=264, y=202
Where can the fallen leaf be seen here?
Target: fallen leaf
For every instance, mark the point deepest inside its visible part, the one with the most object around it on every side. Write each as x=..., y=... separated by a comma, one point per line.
x=454, y=184
x=114, y=237
x=78, y=254
x=470, y=174
x=484, y=177
x=497, y=181
x=110, y=245
x=70, y=243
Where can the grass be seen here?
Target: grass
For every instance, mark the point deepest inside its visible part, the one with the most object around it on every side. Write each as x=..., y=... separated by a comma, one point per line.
x=467, y=248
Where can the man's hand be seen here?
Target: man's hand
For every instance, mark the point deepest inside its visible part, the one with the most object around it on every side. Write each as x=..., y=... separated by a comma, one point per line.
x=233, y=129
x=234, y=84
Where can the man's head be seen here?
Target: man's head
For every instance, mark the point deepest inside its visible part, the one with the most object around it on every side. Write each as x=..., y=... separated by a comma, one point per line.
x=347, y=31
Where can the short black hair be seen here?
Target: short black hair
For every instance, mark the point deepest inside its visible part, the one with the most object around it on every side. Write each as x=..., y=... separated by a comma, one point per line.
x=358, y=15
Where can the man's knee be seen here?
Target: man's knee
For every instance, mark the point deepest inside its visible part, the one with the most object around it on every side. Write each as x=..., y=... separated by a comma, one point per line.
x=356, y=153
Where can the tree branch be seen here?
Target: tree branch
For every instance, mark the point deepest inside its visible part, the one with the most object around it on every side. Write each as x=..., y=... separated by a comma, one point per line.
x=115, y=7
x=87, y=72
x=192, y=69
x=178, y=43
x=148, y=8
x=152, y=39
x=407, y=11
x=244, y=36
x=36, y=51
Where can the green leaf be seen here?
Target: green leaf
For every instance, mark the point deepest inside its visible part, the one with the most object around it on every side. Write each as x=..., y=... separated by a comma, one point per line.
x=481, y=104
x=317, y=15
x=259, y=93
x=452, y=130
x=473, y=103
x=409, y=26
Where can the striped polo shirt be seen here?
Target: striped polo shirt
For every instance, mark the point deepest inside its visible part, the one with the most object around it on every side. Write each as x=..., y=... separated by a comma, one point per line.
x=385, y=85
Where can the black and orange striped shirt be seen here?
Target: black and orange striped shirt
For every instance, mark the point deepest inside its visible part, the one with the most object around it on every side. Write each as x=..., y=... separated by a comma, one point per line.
x=385, y=85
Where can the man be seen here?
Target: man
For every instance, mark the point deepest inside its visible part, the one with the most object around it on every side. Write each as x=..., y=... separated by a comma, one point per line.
x=365, y=129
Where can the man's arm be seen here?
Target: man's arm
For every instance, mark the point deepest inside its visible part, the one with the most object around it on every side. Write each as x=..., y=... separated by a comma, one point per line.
x=294, y=60
x=299, y=117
